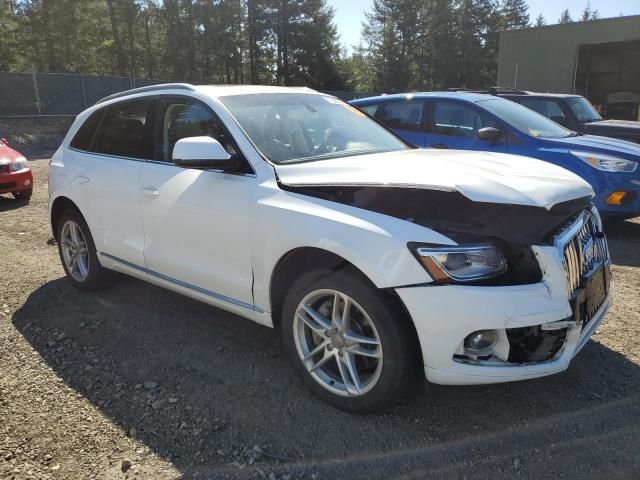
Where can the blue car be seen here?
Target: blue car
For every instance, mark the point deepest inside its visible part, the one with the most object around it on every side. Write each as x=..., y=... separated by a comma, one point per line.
x=470, y=121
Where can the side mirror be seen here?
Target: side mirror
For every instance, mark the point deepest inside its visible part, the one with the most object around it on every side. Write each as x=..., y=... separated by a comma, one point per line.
x=489, y=134
x=202, y=153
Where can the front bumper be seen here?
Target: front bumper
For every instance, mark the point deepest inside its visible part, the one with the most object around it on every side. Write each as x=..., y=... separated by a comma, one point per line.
x=445, y=315
x=16, y=181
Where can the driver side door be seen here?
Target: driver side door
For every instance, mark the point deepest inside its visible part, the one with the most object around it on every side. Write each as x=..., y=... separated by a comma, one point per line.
x=455, y=125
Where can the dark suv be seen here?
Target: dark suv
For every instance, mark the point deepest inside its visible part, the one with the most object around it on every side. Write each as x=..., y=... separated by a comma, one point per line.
x=574, y=112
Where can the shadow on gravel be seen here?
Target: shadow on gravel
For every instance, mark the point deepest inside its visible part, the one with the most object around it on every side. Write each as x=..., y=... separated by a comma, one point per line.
x=8, y=203
x=624, y=238
x=213, y=393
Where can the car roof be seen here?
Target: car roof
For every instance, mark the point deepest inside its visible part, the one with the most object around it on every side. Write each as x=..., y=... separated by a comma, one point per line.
x=466, y=96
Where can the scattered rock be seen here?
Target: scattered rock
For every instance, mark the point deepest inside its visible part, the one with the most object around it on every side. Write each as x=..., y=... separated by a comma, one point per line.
x=173, y=400
x=150, y=385
x=517, y=464
x=126, y=465
x=133, y=432
x=158, y=404
x=8, y=456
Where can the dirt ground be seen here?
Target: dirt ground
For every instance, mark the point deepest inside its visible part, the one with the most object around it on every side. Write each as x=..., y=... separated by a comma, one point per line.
x=139, y=379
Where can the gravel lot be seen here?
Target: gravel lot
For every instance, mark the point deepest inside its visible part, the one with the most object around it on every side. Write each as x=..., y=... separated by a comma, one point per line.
x=138, y=382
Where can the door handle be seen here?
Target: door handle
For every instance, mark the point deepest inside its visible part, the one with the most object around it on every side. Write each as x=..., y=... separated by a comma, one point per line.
x=81, y=180
x=151, y=192
x=439, y=145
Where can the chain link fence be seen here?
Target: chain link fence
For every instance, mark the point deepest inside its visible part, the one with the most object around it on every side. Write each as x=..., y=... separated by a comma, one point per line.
x=31, y=94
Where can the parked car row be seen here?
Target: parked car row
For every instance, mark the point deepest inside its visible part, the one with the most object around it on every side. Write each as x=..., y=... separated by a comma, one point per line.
x=473, y=121
x=375, y=258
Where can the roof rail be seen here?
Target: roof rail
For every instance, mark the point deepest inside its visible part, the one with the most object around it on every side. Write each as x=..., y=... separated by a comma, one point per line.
x=149, y=88
x=493, y=90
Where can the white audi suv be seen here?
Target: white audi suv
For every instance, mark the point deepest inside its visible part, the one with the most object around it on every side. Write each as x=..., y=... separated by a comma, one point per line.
x=375, y=259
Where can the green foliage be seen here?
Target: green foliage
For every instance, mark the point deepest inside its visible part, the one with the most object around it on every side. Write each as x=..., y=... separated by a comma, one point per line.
x=290, y=42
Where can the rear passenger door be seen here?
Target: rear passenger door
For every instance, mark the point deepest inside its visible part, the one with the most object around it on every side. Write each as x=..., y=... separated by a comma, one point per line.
x=455, y=124
x=105, y=161
x=404, y=117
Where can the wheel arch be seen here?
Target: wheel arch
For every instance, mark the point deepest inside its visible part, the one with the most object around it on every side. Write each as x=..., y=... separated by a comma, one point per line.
x=302, y=259
x=60, y=205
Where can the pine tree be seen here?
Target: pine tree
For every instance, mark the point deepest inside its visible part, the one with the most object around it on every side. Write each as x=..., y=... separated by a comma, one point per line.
x=565, y=17
x=540, y=21
x=515, y=14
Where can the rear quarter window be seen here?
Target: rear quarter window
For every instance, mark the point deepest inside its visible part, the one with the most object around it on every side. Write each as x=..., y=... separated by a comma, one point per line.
x=86, y=133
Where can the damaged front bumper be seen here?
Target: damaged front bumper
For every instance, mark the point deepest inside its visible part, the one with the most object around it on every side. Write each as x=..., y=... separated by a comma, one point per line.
x=536, y=326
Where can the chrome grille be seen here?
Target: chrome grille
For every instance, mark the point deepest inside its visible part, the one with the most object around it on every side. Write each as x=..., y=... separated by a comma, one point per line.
x=585, y=248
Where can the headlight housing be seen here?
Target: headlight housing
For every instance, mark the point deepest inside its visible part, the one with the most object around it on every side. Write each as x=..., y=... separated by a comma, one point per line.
x=19, y=164
x=461, y=264
x=607, y=163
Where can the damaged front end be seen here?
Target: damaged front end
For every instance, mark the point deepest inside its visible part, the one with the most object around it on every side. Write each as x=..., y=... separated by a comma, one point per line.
x=570, y=226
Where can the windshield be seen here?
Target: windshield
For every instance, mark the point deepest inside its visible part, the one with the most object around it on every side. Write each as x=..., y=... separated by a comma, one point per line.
x=523, y=119
x=583, y=110
x=294, y=127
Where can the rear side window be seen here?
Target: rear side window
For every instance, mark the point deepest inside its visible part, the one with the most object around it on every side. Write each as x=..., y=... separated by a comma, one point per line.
x=405, y=115
x=84, y=136
x=127, y=130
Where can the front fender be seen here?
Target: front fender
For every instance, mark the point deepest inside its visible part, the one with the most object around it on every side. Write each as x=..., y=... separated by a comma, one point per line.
x=374, y=243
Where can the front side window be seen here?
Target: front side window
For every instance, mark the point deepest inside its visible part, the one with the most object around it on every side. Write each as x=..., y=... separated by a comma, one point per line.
x=457, y=119
x=185, y=117
x=294, y=127
x=127, y=130
x=548, y=108
x=583, y=110
x=370, y=109
x=523, y=119
x=402, y=115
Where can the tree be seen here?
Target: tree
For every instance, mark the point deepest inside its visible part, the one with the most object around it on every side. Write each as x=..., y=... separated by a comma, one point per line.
x=515, y=14
x=540, y=21
x=565, y=17
x=589, y=14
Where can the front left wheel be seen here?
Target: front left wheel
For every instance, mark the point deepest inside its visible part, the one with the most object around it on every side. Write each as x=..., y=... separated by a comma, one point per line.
x=351, y=346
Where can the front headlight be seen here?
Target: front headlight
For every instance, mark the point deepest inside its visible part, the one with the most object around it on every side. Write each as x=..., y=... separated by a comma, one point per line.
x=606, y=163
x=19, y=164
x=462, y=264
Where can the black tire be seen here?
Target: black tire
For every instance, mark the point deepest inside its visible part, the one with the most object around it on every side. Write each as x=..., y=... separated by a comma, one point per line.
x=98, y=277
x=23, y=195
x=397, y=339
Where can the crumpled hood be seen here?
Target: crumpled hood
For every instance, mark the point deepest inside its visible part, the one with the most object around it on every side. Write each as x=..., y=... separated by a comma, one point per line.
x=479, y=176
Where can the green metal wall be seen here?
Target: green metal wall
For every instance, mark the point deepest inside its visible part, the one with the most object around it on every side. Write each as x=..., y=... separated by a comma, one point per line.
x=545, y=57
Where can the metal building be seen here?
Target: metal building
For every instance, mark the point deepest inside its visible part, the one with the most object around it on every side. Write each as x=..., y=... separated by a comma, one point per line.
x=599, y=59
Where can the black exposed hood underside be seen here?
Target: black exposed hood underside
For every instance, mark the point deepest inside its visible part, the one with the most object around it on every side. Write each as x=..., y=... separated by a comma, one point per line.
x=452, y=212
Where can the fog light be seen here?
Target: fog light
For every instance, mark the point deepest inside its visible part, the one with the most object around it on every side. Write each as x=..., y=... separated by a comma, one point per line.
x=481, y=341
x=616, y=198
x=27, y=182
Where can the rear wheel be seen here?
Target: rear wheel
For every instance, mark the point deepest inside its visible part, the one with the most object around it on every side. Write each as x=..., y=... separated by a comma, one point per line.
x=78, y=253
x=23, y=195
x=347, y=341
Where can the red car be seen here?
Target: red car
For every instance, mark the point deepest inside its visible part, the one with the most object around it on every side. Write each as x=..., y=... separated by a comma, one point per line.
x=15, y=173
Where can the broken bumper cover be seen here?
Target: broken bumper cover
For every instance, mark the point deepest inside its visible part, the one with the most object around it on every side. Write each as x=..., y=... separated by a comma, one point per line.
x=445, y=315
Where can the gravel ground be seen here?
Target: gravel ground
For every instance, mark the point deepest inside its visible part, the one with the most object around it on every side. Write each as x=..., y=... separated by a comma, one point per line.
x=138, y=382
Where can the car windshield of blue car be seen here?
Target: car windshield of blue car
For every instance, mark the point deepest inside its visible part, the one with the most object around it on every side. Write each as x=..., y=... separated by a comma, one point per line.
x=583, y=110
x=524, y=119
x=291, y=127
